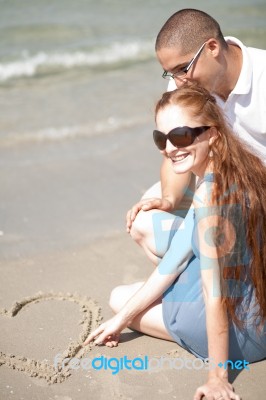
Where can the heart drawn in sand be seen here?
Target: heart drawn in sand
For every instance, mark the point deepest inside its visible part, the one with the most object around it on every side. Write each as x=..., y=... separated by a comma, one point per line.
x=91, y=317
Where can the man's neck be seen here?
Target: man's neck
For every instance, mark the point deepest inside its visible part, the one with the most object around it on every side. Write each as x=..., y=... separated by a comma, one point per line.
x=233, y=60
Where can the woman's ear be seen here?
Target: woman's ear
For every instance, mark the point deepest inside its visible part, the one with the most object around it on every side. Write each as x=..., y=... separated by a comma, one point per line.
x=213, y=134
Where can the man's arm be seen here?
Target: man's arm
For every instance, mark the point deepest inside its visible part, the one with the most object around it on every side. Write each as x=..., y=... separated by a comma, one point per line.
x=174, y=185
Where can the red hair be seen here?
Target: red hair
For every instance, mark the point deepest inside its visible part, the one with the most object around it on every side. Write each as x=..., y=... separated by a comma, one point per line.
x=239, y=192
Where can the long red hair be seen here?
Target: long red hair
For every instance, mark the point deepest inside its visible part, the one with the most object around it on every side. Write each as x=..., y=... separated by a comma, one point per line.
x=240, y=195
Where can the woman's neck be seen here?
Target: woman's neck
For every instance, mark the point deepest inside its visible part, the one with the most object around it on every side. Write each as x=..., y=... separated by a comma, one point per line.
x=204, y=170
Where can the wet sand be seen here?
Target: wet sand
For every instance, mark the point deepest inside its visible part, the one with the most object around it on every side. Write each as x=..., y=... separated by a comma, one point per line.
x=63, y=249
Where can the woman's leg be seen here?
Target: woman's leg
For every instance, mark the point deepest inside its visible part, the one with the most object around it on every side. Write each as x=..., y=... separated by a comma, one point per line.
x=149, y=321
x=152, y=231
x=143, y=229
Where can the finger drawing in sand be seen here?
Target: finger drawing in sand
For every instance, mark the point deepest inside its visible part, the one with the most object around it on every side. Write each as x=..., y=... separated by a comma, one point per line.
x=90, y=317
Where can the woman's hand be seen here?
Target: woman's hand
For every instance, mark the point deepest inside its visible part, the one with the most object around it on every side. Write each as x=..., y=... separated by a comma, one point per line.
x=146, y=205
x=108, y=333
x=216, y=389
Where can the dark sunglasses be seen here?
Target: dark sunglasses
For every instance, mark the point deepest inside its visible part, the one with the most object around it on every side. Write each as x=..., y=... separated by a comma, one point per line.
x=182, y=136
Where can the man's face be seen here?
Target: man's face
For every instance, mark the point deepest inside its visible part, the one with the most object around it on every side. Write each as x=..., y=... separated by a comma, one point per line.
x=202, y=68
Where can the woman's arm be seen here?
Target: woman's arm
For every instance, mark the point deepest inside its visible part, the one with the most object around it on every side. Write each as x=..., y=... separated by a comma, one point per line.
x=151, y=290
x=174, y=185
x=172, y=264
x=173, y=189
x=217, y=325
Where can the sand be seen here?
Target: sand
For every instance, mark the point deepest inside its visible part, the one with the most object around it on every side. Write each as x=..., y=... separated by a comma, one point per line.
x=63, y=248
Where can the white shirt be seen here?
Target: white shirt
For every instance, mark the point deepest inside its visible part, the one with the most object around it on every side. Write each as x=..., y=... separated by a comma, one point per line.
x=245, y=107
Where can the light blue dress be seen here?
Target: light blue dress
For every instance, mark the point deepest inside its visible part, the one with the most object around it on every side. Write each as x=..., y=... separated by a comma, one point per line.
x=184, y=308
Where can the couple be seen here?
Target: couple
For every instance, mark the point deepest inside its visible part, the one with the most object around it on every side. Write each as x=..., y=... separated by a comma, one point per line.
x=211, y=272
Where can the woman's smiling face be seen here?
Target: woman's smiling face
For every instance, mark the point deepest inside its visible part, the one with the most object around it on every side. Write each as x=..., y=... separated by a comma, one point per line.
x=195, y=157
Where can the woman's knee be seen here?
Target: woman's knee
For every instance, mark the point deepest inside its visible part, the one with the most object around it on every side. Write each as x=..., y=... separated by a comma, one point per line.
x=142, y=227
x=114, y=299
x=152, y=230
x=121, y=294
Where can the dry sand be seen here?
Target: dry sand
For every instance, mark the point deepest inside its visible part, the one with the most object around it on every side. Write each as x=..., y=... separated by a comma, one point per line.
x=64, y=248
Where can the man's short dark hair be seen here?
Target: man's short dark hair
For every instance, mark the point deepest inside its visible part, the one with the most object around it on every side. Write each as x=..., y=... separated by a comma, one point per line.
x=187, y=30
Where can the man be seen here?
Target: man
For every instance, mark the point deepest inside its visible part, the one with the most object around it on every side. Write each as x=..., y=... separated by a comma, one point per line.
x=191, y=47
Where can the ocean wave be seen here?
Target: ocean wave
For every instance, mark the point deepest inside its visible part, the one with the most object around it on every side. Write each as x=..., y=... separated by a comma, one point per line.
x=110, y=125
x=29, y=66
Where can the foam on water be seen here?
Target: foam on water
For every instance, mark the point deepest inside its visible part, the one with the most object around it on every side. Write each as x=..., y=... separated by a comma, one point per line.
x=28, y=66
x=67, y=68
x=49, y=134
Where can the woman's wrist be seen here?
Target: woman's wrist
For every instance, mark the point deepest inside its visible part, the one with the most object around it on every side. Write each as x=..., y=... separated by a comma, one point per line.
x=218, y=372
x=130, y=310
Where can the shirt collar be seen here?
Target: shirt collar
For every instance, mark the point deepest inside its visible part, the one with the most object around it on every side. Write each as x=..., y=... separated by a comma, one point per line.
x=243, y=84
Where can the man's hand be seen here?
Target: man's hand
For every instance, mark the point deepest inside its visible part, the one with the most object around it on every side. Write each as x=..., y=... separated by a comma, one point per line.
x=146, y=205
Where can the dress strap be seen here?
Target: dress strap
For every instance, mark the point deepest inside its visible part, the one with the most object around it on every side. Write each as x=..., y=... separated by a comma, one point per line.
x=209, y=177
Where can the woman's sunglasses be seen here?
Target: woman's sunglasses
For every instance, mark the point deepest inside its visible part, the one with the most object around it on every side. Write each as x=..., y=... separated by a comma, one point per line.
x=182, y=136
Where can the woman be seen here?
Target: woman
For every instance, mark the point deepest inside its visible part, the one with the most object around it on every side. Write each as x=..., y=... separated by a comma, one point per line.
x=222, y=289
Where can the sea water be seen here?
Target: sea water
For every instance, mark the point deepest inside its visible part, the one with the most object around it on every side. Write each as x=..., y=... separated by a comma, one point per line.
x=85, y=67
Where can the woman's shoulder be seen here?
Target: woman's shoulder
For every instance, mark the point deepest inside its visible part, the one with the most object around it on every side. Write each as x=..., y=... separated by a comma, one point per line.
x=204, y=190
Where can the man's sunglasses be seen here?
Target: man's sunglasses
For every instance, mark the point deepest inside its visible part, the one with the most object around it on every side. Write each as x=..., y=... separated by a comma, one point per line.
x=181, y=73
x=182, y=136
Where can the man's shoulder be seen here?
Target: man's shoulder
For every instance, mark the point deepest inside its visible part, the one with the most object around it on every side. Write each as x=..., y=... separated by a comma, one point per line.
x=254, y=63
x=257, y=56
x=257, y=59
x=243, y=46
x=256, y=51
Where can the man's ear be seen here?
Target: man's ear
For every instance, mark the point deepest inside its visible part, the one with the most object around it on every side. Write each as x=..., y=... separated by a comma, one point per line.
x=213, y=47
